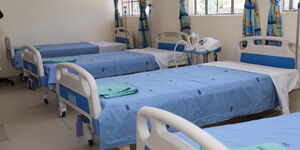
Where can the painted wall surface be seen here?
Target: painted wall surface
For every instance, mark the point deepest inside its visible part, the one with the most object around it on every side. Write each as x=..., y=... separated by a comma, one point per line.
x=53, y=21
x=227, y=29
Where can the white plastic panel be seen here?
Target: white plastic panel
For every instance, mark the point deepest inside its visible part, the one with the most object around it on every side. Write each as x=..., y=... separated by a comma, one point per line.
x=81, y=85
x=160, y=139
x=121, y=32
x=10, y=52
x=33, y=56
x=172, y=37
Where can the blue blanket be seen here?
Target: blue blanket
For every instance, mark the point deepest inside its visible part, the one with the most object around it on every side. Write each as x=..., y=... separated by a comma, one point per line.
x=201, y=94
x=283, y=130
x=107, y=64
x=59, y=50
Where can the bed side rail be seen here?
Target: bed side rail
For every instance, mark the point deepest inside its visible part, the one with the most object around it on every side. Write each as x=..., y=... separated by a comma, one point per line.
x=78, y=89
x=168, y=40
x=160, y=138
x=255, y=50
x=120, y=36
x=32, y=62
x=10, y=52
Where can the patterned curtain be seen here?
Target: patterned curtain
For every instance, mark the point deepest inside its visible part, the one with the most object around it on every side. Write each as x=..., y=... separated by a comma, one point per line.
x=185, y=24
x=251, y=21
x=143, y=26
x=274, y=22
x=117, y=14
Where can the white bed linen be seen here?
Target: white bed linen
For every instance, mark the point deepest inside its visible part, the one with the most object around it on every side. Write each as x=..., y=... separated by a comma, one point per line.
x=164, y=58
x=285, y=80
x=109, y=46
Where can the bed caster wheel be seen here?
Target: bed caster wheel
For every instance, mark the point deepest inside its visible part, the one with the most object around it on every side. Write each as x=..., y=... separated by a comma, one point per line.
x=91, y=142
x=29, y=83
x=46, y=101
x=12, y=83
x=62, y=114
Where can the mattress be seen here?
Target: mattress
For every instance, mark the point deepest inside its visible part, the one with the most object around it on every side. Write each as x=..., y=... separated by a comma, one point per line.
x=110, y=46
x=283, y=130
x=165, y=58
x=106, y=65
x=201, y=94
x=72, y=49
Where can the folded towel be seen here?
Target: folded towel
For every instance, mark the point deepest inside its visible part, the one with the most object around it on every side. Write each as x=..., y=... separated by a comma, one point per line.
x=112, y=90
x=269, y=146
x=59, y=60
x=19, y=49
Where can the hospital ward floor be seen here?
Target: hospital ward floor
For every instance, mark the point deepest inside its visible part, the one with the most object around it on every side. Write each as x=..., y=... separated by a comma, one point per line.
x=26, y=123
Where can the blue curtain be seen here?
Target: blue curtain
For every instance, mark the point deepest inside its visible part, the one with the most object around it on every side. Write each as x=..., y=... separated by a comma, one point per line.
x=117, y=14
x=251, y=21
x=274, y=22
x=185, y=24
x=143, y=40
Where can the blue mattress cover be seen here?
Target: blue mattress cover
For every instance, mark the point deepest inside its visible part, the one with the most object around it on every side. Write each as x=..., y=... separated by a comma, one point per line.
x=201, y=94
x=283, y=130
x=55, y=50
x=107, y=65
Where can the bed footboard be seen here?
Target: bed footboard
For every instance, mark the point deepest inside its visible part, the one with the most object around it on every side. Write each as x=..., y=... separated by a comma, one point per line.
x=124, y=35
x=76, y=88
x=160, y=138
x=32, y=62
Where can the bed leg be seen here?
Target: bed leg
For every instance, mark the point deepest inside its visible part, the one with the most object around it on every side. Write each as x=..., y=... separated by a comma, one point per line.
x=62, y=108
x=45, y=97
x=127, y=147
x=89, y=135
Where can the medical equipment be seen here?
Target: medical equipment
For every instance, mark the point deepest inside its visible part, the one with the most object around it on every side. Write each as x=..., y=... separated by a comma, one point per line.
x=203, y=47
x=280, y=133
x=297, y=36
x=160, y=138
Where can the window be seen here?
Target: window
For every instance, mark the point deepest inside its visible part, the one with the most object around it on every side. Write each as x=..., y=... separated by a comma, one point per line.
x=290, y=5
x=213, y=7
x=132, y=7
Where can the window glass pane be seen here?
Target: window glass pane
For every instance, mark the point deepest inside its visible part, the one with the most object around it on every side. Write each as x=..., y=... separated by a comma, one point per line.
x=286, y=5
x=136, y=8
x=212, y=6
x=224, y=6
x=239, y=6
x=295, y=4
x=191, y=6
x=201, y=7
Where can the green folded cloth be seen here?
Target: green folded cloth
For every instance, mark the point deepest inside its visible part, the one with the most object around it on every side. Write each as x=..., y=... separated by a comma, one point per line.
x=269, y=146
x=19, y=49
x=112, y=90
x=59, y=60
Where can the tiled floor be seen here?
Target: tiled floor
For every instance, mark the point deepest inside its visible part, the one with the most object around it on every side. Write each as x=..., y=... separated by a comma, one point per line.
x=31, y=125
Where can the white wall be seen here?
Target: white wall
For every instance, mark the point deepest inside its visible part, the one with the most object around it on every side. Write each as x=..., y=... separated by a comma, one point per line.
x=228, y=29
x=53, y=21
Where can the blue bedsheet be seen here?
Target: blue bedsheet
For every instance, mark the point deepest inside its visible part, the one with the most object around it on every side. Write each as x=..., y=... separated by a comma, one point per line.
x=201, y=94
x=283, y=130
x=107, y=64
x=59, y=50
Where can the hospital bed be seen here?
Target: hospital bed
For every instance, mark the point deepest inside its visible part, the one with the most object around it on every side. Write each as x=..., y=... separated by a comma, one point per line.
x=203, y=94
x=278, y=133
x=72, y=49
x=108, y=64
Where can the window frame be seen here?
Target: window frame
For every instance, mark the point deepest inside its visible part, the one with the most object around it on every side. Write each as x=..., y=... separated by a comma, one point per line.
x=130, y=12
x=232, y=11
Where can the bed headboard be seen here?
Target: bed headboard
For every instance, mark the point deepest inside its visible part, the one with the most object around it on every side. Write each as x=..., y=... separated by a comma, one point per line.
x=120, y=36
x=256, y=51
x=78, y=88
x=10, y=51
x=168, y=40
x=160, y=138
